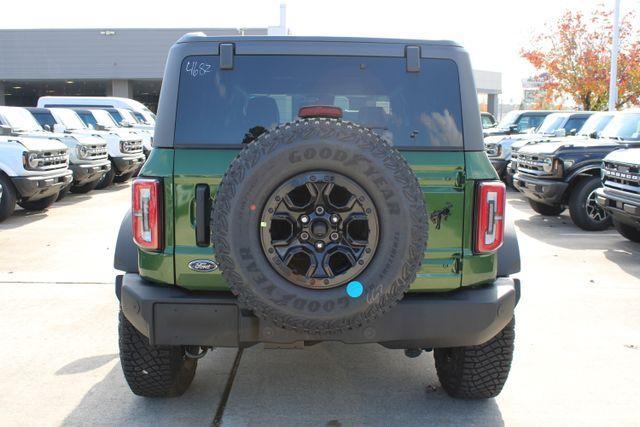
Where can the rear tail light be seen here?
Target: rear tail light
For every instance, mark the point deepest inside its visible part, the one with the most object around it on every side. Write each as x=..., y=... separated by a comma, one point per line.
x=490, y=207
x=147, y=213
x=326, y=111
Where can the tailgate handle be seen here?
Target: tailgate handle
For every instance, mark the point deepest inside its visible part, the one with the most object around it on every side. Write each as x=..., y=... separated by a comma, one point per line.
x=203, y=215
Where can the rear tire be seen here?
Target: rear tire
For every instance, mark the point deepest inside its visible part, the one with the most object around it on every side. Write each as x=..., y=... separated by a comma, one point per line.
x=546, y=210
x=7, y=198
x=123, y=178
x=477, y=372
x=39, y=205
x=83, y=189
x=153, y=371
x=627, y=231
x=107, y=180
x=584, y=209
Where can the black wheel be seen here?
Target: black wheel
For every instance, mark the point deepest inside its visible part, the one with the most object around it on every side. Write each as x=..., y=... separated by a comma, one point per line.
x=627, y=231
x=40, y=204
x=85, y=188
x=7, y=198
x=546, y=210
x=107, y=179
x=477, y=372
x=153, y=371
x=583, y=206
x=123, y=178
x=320, y=226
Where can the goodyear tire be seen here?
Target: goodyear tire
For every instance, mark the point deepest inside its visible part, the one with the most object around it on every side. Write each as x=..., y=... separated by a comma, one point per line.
x=386, y=197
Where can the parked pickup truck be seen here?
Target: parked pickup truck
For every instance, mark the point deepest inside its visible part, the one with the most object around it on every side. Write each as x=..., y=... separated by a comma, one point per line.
x=274, y=209
x=620, y=194
x=555, y=125
x=554, y=175
x=124, y=147
x=33, y=171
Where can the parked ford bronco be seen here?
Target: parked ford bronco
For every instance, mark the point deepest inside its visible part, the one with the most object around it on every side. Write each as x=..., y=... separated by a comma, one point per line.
x=620, y=194
x=518, y=121
x=287, y=200
x=124, y=147
x=555, y=125
x=33, y=171
x=553, y=175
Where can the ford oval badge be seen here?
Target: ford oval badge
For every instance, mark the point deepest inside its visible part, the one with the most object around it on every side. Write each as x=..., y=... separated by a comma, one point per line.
x=203, y=265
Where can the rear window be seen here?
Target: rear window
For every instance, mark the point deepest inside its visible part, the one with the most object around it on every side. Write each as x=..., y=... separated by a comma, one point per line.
x=409, y=110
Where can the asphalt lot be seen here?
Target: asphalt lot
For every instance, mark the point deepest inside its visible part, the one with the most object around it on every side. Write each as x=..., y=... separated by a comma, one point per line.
x=577, y=355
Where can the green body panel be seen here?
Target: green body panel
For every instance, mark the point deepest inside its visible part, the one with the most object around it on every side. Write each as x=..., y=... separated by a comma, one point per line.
x=448, y=260
x=154, y=266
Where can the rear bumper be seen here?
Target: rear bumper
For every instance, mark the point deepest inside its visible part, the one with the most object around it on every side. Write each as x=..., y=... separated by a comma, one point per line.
x=127, y=164
x=169, y=315
x=89, y=172
x=622, y=206
x=545, y=191
x=31, y=188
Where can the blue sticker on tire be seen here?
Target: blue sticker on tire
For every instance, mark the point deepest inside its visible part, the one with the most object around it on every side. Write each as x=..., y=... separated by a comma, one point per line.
x=355, y=289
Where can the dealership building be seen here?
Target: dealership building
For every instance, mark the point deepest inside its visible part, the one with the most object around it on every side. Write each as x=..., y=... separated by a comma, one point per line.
x=119, y=62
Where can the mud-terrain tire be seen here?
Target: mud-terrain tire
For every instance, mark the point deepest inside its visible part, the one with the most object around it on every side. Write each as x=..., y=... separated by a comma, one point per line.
x=335, y=148
x=40, y=204
x=546, y=210
x=153, y=371
x=123, y=178
x=107, y=179
x=582, y=196
x=477, y=372
x=627, y=231
x=7, y=197
x=85, y=188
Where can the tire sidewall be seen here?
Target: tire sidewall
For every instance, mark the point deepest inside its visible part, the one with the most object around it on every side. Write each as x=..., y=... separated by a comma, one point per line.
x=577, y=205
x=325, y=146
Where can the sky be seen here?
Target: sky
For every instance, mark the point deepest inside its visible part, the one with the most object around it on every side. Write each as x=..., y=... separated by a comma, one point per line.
x=492, y=31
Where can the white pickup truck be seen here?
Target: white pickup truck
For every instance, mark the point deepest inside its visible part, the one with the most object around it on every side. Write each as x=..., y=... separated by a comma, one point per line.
x=33, y=171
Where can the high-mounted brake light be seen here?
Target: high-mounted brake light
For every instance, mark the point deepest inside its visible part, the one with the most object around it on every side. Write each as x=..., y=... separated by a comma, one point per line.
x=326, y=111
x=490, y=208
x=147, y=213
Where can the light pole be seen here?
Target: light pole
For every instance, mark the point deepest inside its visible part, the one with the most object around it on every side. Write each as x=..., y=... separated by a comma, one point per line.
x=615, y=46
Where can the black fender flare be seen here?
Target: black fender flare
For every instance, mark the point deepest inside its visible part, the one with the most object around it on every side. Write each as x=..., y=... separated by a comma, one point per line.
x=126, y=253
x=509, y=252
x=591, y=166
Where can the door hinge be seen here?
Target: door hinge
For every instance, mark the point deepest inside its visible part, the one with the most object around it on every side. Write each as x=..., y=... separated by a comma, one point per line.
x=461, y=177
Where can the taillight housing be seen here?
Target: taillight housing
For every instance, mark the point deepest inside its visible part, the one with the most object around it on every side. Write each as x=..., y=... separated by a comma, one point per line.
x=147, y=213
x=489, y=216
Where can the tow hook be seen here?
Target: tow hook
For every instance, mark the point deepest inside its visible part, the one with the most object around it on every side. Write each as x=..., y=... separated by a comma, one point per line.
x=200, y=352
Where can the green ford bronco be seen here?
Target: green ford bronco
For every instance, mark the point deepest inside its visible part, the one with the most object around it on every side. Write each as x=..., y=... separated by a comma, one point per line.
x=317, y=189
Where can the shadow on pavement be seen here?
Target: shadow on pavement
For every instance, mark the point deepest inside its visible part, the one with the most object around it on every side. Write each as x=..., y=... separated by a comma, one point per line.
x=21, y=218
x=337, y=384
x=86, y=364
x=111, y=402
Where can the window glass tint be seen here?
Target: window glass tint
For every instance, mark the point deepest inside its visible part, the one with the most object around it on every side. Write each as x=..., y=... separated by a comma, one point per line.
x=574, y=123
x=45, y=119
x=551, y=123
x=88, y=118
x=407, y=109
x=115, y=115
x=487, y=121
x=528, y=122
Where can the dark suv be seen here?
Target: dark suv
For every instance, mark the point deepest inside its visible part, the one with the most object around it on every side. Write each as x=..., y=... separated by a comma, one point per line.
x=303, y=190
x=554, y=175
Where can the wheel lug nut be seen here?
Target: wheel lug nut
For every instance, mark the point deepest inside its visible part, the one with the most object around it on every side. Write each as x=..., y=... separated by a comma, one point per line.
x=319, y=210
x=334, y=236
x=335, y=219
x=304, y=236
x=304, y=219
x=319, y=246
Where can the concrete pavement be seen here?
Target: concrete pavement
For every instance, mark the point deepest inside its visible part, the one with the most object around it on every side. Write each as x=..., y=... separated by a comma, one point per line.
x=577, y=350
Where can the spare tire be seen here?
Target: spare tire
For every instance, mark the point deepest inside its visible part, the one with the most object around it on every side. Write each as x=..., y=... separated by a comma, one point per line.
x=319, y=226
